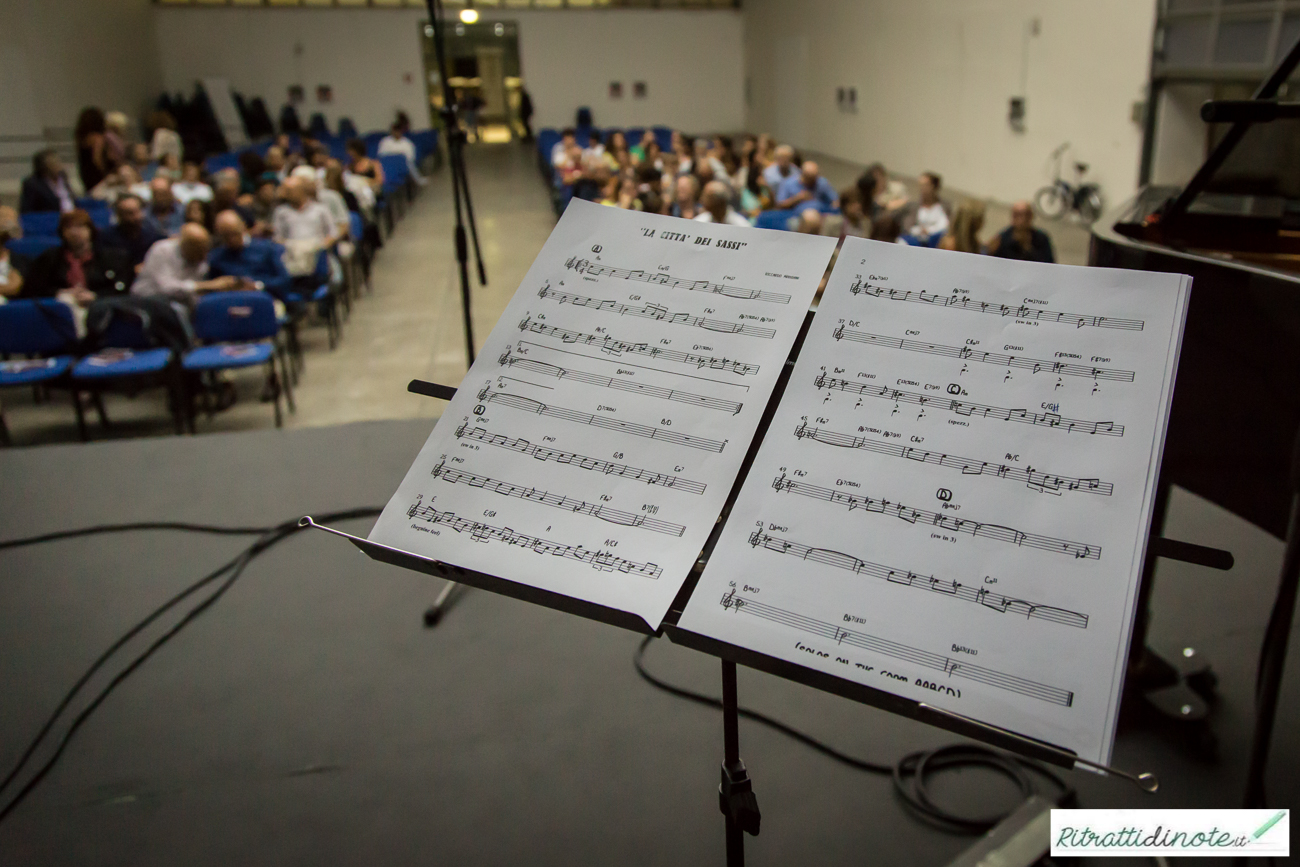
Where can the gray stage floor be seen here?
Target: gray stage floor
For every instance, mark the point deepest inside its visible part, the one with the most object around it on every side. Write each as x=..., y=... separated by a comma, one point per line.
x=309, y=718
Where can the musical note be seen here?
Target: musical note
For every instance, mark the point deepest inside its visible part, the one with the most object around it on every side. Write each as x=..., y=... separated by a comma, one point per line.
x=582, y=266
x=658, y=312
x=602, y=561
x=583, y=462
x=1078, y=550
x=896, y=650
x=509, y=360
x=960, y=407
x=613, y=346
x=977, y=595
x=546, y=498
x=965, y=352
x=965, y=302
x=1046, y=483
x=527, y=404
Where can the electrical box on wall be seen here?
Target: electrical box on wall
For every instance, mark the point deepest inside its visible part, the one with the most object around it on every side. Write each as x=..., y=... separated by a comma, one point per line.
x=1016, y=113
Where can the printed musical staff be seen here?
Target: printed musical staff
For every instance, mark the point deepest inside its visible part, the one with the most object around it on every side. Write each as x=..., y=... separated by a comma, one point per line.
x=659, y=313
x=965, y=302
x=454, y=476
x=1047, y=483
x=1077, y=550
x=965, y=353
x=541, y=453
x=905, y=578
x=961, y=407
x=602, y=561
x=527, y=404
x=582, y=266
x=616, y=347
x=509, y=360
x=896, y=650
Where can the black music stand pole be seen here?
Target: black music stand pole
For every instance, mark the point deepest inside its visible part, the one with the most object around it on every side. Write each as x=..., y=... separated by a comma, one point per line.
x=434, y=612
x=736, y=793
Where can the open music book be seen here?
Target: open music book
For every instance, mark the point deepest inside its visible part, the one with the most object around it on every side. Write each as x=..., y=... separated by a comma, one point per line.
x=952, y=501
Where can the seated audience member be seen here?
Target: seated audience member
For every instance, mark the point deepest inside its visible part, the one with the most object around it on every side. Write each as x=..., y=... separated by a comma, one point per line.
x=639, y=149
x=275, y=163
x=685, y=204
x=199, y=212
x=890, y=194
x=330, y=199
x=191, y=185
x=684, y=152
x=781, y=168
x=265, y=200
x=716, y=207
x=617, y=156
x=886, y=228
x=807, y=187
x=560, y=150
x=966, y=224
x=810, y=222
x=81, y=268
x=137, y=155
x=46, y=188
x=926, y=221
x=652, y=156
x=284, y=142
x=704, y=154
x=121, y=181
x=303, y=226
x=12, y=271
x=226, y=185
x=165, y=213
x=92, y=160
x=332, y=177
x=165, y=140
x=169, y=167
x=363, y=166
x=177, y=268
x=239, y=254
x=396, y=142
x=131, y=233
x=1021, y=240
x=852, y=221
x=115, y=137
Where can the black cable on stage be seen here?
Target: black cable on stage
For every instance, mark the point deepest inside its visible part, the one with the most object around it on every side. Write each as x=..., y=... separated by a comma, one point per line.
x=909, y=774
x=141, y=525
x=269, y=537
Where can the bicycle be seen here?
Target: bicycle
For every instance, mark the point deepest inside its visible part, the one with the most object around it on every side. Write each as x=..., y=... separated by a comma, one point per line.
x=1060, y=197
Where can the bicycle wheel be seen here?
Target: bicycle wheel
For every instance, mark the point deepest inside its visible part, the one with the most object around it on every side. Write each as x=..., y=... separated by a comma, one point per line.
x=1049, y=203
x=1090, y=204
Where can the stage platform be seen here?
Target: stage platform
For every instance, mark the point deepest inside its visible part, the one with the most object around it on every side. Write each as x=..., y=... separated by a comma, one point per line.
x=310, y=718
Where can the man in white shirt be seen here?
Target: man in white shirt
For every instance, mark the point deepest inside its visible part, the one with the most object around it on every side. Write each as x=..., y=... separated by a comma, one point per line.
x=177, y=268
x=303, y=226
x=191, y=186
x=716, y=202
x=396, y=142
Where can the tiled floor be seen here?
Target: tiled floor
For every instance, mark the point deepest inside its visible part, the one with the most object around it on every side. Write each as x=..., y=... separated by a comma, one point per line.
x=411, y=326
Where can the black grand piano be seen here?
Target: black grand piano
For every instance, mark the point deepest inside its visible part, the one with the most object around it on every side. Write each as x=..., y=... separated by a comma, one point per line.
x=1235, y=228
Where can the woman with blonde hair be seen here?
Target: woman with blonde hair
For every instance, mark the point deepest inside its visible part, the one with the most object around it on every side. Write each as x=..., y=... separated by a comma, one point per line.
x=964, y=236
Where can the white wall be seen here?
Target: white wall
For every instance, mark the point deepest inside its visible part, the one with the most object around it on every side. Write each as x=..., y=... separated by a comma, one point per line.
x=691, y=61
x=58, y=56
x=934, y=78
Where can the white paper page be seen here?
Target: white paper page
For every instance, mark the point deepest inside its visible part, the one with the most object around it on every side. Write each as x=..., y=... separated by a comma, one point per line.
x=592, y=445
x=953, y=499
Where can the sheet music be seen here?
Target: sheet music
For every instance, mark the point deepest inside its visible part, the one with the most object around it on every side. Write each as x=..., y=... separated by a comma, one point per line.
x=592, y=445
x=953, y=499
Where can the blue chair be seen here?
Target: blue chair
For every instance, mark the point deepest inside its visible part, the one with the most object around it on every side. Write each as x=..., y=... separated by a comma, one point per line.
x=34, y=245
x=362, y=257
x=317, y=127
x=397, y=175
x=426, y=142
x=239, y=329
x=40, y=222
x=101, y=215
x=217, y=162
x=126, y=359
x=319, y=292
x=372, y=140
x=41, y=329
x=775, y=219
x=347, y=129
x=664, y=137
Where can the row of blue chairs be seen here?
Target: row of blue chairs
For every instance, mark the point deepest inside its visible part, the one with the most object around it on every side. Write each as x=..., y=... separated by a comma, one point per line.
x=425, y=141
x=236, y=330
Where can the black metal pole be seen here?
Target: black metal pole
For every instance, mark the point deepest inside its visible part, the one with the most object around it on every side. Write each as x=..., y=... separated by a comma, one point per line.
x=459, y=175
x=731, y=758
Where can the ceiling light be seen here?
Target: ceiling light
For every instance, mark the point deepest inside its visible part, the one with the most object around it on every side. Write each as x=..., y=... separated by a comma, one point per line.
x=469, y=16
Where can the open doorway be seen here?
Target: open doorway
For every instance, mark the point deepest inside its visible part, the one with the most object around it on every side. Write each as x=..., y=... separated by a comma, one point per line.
x=484, y=64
